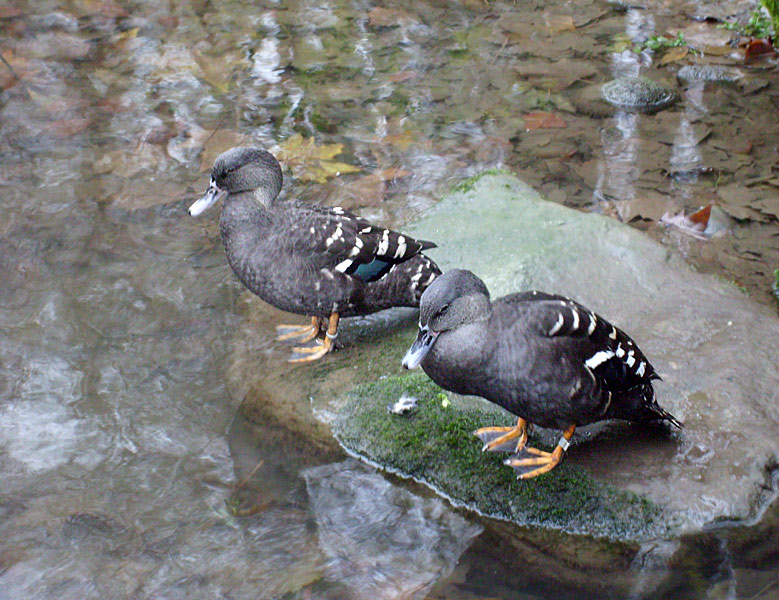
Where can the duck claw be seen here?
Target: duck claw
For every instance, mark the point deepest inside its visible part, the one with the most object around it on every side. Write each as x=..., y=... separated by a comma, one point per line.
x=306, y=332
x=502, y=439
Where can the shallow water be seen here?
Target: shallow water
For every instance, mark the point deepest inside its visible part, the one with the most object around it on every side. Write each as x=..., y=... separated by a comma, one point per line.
x=121, y=450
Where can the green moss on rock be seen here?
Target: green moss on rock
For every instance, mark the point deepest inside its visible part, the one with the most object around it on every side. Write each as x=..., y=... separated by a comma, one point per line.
x=435, y=445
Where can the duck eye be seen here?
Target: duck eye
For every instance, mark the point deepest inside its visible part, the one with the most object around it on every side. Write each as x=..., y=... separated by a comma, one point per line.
x=442, y=311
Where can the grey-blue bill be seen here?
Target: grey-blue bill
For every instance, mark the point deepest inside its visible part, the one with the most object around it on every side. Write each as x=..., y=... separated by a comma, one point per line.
x=419, y=348
x=213, y=193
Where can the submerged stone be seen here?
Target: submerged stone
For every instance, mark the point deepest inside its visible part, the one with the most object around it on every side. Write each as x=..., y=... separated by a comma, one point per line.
x=709, y=73
x=638, y=94
x=412, y=541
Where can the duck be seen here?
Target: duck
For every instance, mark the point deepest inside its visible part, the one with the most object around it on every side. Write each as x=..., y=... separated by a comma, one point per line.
x=543, y=357
x=322, y=262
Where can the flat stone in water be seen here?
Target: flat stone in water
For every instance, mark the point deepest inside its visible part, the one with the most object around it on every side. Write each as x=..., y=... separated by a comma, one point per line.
x=637, y=94
x=709, y=73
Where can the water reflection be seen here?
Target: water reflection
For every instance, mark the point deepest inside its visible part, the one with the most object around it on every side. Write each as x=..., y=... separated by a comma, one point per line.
x=620, y=167
x=381, y=541
x=686, y=158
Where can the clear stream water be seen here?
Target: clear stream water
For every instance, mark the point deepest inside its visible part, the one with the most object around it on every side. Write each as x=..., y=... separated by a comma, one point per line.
x=121, y=445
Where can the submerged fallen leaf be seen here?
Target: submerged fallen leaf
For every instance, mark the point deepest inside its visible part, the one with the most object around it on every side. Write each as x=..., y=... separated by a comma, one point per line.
x=768, y=204
x=543, y=120
x=392, y=173
x=310, y=162
x=218, y=142
x=217, y=70
x=647, y=206
x=558, y=23
x=9, y=12
x=702, y=34
x=673, y=55
x=741, y=202
x=64, y=128
x=694, y=224
x=388, y=17
x=144, y=193
x=402, y=76
x=15, y=69
x=757, y=48
x=402, y=140
x=369, y=190
x=556, y=76
x=128, y=163
x=100, y=7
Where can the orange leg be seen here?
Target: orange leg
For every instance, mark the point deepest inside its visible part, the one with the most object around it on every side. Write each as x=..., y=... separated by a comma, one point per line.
x=322, y=348
x=307, y=333
x=494, y=438
x=546, y=461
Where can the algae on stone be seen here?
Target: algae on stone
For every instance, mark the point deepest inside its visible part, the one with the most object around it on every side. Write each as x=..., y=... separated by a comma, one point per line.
x=435, y=445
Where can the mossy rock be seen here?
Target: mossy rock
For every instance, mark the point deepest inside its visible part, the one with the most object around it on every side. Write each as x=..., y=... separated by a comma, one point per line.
x=435, y=445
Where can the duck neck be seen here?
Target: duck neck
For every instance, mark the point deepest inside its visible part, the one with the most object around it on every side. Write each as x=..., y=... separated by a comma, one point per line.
x=264, y=197
x=454, y=352
x=243, y=220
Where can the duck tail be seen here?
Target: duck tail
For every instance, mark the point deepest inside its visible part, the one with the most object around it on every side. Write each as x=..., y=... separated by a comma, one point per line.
x=640, y=405
x=402, y=285
x=658, y=413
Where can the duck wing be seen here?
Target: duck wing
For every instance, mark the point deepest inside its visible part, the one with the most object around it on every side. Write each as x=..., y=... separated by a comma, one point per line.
x=621, y=369
x=336, y=239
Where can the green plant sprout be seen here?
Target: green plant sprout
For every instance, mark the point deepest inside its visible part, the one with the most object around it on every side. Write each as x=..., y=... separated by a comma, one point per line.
x=658, y=42
x=759, y=25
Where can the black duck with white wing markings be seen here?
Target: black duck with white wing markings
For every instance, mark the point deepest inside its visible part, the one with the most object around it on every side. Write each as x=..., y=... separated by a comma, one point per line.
x=542, y=357
x=322, y=262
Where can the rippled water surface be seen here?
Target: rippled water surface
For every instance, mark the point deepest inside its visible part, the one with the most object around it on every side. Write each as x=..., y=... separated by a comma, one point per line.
x=121, y=449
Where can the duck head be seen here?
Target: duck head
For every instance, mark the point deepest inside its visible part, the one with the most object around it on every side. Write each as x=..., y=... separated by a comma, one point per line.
x=242, y=169
x=454, y=299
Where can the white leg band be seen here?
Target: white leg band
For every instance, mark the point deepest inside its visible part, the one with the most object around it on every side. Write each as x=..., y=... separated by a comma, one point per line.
x=332, y=336
x=563, y=443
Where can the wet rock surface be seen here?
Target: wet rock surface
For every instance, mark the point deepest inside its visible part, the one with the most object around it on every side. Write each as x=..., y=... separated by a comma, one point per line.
x=705, y=338
x=638, y=94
